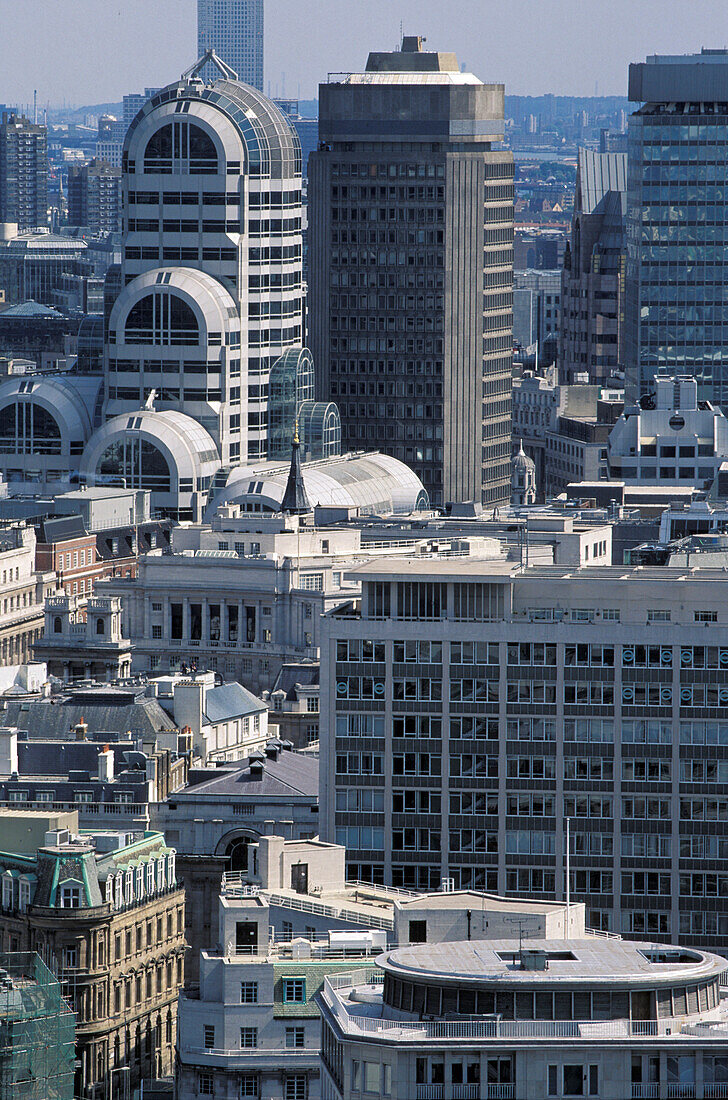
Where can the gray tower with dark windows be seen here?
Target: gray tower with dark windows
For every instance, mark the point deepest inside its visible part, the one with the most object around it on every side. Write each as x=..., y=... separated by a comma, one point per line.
x=411, y=269
x=23, y=172
x=234, y=30
x=677, y=220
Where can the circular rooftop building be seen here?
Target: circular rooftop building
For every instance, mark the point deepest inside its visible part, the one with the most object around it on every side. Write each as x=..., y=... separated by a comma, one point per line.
x=582, y=980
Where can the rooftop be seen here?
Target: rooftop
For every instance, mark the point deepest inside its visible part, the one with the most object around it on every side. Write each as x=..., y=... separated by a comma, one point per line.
x=593, y=961
x=292, y=774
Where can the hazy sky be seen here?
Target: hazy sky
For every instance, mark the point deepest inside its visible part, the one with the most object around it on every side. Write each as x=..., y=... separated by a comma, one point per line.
x=91, y=51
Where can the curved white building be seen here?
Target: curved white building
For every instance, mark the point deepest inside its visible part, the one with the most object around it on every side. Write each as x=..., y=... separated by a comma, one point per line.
x=211, y=268
x=499, y=1020
x=373, y=483
x=166, y=452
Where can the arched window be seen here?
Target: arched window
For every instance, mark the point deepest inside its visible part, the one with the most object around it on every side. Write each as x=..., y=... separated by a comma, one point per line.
x=136, y=464
x=162, y=319
x=100, y=626
x=180, y=146
x=57, y=625
x=28, y=428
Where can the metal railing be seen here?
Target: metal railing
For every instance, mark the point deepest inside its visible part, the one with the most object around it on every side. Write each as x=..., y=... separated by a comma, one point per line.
x=645, y=1092
x=465, y=1092
x=418, y=1031
x=304, y=904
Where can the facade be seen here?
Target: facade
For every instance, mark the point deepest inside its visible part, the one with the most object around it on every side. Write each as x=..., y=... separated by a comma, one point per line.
x=294, y=703
x=536, y=307
x=591, y=332
x=94, y=197
x=523, y=479
x=669, y=437
x=82, y=639
x=234, y=30
x=37, y=1030
x=39, y=333
x=675, y=269
x=285, y=927
x=111, y=782
x=240, y=596
x=458, y=1020
x=495, y=702
x=23, y=172
x=35, y=262
x=23, y=591
x=105, y=911
x=224, y=723
x=410, y=318
x=196, y=320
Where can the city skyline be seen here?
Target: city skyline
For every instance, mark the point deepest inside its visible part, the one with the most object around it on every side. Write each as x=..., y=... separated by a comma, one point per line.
x=525, y=46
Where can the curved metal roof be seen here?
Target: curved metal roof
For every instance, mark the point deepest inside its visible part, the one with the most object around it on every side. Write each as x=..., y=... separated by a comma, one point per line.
x=184, y=440
x=374, y=483
x=70, y=399
x=273, y=146
x=211, y=299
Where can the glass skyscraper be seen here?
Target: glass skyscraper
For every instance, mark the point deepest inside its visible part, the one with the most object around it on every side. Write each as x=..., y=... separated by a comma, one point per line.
x=234, y=30
x=677, y=223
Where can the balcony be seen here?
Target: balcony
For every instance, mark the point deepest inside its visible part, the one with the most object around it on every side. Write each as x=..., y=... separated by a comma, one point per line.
x=465, y=1092
x=645, y=1092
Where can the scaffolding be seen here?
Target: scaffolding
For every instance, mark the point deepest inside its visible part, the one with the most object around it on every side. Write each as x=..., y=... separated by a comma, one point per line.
x=37, y=1032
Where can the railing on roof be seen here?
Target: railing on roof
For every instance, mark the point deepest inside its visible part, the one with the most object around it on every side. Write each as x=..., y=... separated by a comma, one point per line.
x=234, y=887
x=420, y=1031
x=383, y=891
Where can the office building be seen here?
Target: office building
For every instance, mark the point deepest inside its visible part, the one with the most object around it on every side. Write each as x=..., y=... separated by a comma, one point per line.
x=220, y=336
x=234, y=30
x=242, y=595
x=23, y=591
x=105, y=911
x=23, y=172
x=94, y=197
x=33, y=263
x=536, y=310
x=293, y=921
x=591, y=333
x=207, y=299
x=480, y=705
x=410, y=270
x=670, y=437
x=526, y=1019
x=678, y=148
x=37, y=1030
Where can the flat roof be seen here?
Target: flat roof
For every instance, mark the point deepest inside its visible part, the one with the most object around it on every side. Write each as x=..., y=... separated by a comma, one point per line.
x=472, y=567
x=597, y=960
x=461, y=899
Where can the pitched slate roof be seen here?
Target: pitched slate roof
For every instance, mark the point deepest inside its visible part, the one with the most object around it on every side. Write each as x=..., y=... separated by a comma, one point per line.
x=290, y=775
x=231, y=701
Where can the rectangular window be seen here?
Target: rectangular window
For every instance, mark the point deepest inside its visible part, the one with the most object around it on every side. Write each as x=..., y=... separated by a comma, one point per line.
x=248, y=1038
x=208, y=1034
x=248, y=993
x=372, y=1077
x=296, y=1087
x=553, y=1081
x=295, y=1037
x=205, y=1084
x=294, y=991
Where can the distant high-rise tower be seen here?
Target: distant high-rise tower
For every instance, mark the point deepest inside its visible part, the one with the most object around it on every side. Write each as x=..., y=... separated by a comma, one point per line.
x=591, y=333
x=411, y=269
x=677, y=220
x=94, y=196
x=23, y=172
x=234, y=30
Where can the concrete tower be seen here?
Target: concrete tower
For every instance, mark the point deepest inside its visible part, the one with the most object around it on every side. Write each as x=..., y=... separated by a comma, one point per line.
x=523, y=478
x=411, y=268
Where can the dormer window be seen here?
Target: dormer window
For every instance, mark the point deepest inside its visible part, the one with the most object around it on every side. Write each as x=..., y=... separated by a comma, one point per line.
x=70, y=897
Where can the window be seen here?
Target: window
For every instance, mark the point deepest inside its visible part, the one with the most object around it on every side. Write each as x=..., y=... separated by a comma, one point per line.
x=208, y=1036
x=294, y=991
x=248, y=993
x=156, y=630
x=205, y=1084
x=70, y=897
x=372, y=1077
x=249, y=1086
x=706, y=616
x=248, y=1037
x=70, y=957
x=656, y=615
x=296, y=1087
x=295, y=1037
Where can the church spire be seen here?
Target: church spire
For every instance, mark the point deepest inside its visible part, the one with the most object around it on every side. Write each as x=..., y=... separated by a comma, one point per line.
x=295, y=501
